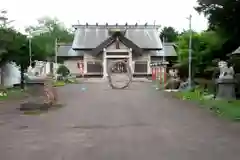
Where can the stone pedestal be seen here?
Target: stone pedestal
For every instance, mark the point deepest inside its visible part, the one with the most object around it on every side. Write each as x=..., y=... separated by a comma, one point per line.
x=42, y=95
x=226, y=89
x=173, y=83
x=36, y=98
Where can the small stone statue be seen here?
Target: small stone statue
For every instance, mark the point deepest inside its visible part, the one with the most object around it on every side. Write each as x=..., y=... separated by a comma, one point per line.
x=225, y=71
x=174, y=80
x=173, y=73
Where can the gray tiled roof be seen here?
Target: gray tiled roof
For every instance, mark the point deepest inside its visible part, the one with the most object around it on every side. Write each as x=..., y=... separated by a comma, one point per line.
x=67, y=51
x=146, y=38
x=169, y=50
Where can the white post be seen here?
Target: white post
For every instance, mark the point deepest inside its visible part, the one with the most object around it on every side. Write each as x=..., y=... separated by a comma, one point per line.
x=84, y=64
x=130, y=59
x=148, y=63
x=104, y=64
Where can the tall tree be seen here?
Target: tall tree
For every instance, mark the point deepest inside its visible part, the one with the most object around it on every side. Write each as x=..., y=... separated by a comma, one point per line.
x=169, y=34
x=204, y=49
x=14, y=47
x=223, y=15
x=48, y=30
x=6, y=38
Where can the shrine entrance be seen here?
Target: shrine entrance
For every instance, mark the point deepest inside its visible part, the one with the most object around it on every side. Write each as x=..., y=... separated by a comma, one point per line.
x=118, y=68
x=114, y=55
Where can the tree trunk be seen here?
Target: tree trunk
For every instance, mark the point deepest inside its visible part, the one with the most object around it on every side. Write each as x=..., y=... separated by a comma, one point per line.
x=22, y=76
x=2, y=75
x=51, y=67
x=2, y=85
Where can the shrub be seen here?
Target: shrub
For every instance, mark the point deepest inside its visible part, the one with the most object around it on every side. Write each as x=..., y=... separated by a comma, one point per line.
x=63, y=71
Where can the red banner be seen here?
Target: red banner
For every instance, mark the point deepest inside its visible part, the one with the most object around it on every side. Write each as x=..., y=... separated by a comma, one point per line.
x=80, y=65
x=153, y=73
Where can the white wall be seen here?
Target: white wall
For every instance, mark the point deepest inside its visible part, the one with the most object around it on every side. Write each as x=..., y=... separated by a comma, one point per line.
x=12, y=73
x=72, y=66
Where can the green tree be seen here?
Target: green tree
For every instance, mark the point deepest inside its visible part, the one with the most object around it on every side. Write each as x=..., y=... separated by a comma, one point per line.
x=6, y=37
x=223, y=15
x=50, y=29
x=205, y=47
x=169, y=34
x=15, y=49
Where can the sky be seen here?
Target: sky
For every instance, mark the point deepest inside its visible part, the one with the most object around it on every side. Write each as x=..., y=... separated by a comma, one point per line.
x=164, y=12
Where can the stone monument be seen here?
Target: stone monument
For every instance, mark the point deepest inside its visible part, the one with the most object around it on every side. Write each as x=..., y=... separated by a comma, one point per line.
x=42, y=94
x=225, y=82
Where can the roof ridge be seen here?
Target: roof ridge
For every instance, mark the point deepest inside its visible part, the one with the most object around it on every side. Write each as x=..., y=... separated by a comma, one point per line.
x=116, y=26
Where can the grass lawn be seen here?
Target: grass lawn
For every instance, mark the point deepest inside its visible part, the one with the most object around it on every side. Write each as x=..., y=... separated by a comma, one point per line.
x=222, y=108
x=12, y=93
x=59, y=83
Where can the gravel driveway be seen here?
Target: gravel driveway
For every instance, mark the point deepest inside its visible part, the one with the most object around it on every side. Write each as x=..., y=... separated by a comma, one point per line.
x=138, y=123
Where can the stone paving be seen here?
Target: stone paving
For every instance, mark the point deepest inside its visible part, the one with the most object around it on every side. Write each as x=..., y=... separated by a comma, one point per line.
x=99, y=123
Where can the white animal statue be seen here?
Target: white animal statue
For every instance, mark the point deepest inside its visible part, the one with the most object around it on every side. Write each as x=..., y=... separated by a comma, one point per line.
x=173, y=73
x=225, y=71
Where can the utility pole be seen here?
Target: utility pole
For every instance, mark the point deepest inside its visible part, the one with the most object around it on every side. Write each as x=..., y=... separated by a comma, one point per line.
x=190, y=53
x=56, y=53
x=30, y=49
x=163, y=48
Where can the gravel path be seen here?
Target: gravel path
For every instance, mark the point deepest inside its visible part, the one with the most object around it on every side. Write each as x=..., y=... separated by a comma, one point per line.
x=138, y=123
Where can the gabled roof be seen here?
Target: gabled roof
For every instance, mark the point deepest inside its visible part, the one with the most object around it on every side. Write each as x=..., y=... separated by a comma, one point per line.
x=136, y=49
x=89, y=37
x=65, y=50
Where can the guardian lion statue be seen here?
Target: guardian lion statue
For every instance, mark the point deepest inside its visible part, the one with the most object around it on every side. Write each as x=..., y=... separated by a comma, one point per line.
x=225, y=71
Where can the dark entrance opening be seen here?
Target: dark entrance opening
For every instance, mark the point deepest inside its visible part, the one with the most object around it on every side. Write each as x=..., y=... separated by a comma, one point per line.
x=119, y=67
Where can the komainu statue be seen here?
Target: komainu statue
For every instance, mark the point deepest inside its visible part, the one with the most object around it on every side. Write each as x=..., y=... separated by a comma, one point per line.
x=225, y=71
x=174, y=80
x=226, y=82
